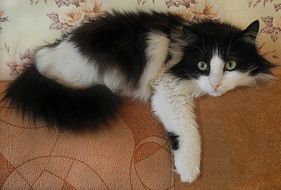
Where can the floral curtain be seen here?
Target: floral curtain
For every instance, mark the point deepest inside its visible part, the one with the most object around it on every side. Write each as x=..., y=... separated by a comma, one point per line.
x=28, y=24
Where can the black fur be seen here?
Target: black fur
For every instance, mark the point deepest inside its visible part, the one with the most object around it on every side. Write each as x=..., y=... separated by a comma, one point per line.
x=231, y=42
x=59, y=106
x=113, y=40
x=119, y=39
x=174, y=140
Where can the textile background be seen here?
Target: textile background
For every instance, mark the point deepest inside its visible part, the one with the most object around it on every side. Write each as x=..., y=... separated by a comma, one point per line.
x=28, y=24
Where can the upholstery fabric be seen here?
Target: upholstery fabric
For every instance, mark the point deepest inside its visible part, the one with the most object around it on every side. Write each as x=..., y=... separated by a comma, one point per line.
x=29, y=24
x=240, y=131
x=240, y=142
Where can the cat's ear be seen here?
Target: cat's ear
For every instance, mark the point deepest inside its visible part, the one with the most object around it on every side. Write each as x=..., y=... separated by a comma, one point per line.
x=251, y=32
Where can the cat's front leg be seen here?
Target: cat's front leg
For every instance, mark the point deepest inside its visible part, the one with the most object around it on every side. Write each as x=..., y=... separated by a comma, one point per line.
x=174, y=107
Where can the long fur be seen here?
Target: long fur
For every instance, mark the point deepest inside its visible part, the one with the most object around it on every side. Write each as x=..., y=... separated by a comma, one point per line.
x=73, y=82
x=120, y=39
x=43, y=99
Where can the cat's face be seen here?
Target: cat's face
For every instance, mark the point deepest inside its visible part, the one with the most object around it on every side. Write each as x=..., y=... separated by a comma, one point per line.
x=222, y=76
x=220, y=57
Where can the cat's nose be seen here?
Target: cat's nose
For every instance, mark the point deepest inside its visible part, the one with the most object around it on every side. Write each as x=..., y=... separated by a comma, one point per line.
x=216, y=85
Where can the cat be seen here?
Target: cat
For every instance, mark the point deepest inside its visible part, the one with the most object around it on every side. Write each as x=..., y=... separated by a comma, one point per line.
x=151, y=56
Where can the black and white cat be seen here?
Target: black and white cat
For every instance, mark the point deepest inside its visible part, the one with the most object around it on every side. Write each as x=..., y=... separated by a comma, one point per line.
x=159, y=56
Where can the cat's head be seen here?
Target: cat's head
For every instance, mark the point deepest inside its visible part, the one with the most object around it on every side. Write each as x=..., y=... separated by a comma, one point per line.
x=219, y=57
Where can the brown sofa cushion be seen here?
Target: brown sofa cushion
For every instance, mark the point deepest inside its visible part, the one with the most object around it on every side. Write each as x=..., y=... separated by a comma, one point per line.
x=241, y=137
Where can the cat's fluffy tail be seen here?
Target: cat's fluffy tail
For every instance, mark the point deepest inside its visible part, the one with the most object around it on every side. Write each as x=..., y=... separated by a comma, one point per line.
x=43, y=99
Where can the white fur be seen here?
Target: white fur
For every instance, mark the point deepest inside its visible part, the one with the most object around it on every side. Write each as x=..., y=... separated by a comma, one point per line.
x=231, y=79
x=226, y=80
x=173, y=99
x=156, y=52
x=172, y=102
x=216, y=70
x=67, y=66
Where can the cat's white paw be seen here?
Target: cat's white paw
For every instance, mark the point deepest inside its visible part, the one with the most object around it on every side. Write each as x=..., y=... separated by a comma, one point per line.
x=187, y=167
x=188, y=174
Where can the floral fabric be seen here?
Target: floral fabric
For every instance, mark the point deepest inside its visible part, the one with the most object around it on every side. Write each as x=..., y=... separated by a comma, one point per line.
x=27, y=25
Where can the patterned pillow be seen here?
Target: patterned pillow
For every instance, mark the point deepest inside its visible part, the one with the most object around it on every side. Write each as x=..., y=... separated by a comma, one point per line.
x=26, y=25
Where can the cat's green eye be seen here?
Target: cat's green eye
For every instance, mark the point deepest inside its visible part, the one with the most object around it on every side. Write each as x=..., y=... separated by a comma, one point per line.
x=202, y=66
x=230, y=65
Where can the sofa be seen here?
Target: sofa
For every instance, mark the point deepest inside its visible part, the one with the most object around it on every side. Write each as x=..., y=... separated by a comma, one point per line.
x=241, y=130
